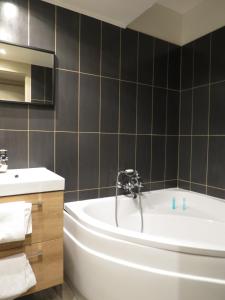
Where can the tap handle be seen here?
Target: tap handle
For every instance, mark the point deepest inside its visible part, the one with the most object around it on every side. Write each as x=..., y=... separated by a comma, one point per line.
x=3, y=154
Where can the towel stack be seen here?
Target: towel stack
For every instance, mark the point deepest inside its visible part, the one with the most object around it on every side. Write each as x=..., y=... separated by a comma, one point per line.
x=15, y=221
x=16, y=274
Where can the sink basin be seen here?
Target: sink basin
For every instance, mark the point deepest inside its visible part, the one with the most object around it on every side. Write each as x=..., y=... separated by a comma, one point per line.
x=29, y=181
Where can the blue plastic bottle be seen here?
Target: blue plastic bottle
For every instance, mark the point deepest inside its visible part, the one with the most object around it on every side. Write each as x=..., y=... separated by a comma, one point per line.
x=184, y=204
x=174, y=203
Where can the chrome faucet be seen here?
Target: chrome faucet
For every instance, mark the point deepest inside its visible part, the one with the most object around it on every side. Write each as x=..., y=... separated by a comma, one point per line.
x=3, y=160
x=130, y=182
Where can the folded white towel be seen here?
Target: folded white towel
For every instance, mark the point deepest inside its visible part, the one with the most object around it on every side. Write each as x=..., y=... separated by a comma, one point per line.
x=15, y=221
x=16, y=276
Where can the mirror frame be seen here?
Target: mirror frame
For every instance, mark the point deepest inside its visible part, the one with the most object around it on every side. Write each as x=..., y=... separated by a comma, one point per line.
x=53, y=77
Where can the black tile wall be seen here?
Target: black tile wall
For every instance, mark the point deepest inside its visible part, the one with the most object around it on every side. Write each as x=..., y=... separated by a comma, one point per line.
x=117, y=102
x=202, y=118
x=67, y=42
x=14, y=30
x=42, y=25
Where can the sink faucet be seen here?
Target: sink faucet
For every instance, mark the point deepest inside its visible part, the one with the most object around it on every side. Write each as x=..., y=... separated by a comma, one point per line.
x=130, y=182
x=3, y=160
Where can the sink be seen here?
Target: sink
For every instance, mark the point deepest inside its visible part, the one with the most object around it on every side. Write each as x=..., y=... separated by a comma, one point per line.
x=29, y=181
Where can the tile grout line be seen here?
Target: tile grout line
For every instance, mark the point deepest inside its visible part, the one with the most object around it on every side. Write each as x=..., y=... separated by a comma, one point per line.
x=113, y=186
x=117, y=79
x=28, y=107
x=100, y=112
x=166, y=125
x=136, y=121
x=209, y=110
x=54, y=116
x=192, y=113
x=118, y=141
x=152, y=114
x=78, y=113
x=179, y=139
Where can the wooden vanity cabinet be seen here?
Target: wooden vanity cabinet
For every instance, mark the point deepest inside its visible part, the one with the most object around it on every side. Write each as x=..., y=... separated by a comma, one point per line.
x=44, y=247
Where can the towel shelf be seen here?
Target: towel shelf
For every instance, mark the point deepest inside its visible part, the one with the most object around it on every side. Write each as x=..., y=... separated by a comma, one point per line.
x=38, y=254
x=38, y=203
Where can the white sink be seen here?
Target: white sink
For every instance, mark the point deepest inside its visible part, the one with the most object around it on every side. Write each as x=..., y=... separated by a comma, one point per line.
x=28, y=181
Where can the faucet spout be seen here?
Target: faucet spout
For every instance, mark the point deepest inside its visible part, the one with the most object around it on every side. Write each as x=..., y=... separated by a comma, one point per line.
x=3, y=160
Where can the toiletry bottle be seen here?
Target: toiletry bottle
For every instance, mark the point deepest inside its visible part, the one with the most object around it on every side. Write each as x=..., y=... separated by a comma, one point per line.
x=184, y=204
x=174, y=203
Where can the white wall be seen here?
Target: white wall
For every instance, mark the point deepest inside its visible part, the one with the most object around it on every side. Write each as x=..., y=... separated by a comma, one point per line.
x=180, y=29
x=204, y=18
x=160, y=22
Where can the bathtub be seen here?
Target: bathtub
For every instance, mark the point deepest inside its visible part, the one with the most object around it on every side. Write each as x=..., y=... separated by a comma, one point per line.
x=180, y=254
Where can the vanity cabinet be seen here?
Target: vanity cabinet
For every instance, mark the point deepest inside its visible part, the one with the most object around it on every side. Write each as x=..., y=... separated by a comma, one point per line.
x=44, y=247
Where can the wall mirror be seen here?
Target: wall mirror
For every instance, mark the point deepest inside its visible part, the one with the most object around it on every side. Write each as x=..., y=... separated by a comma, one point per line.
x=26, y=75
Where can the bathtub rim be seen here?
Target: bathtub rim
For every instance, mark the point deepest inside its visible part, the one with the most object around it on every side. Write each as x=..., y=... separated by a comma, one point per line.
x=137, y=237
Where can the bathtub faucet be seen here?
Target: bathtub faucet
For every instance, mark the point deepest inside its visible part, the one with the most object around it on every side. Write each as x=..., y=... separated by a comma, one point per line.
x=130, y=182
x=3, y=160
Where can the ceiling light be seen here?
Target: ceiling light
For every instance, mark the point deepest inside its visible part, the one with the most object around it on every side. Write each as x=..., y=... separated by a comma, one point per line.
x=9, y=10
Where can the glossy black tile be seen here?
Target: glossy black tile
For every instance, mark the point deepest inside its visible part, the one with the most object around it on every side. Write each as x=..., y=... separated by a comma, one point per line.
x=214, y=192
x=90, y=45
x=16, y=143
x=186, y=112
x=126, y=152
x=41, y=118
x=144, y=109
x=108, y=159
x=161, y=63
x=88, y=194
x=13, y=21
x=200, y=110
x=110, y=50
x=174, y=67
x=70, y=196
x=145, y=58
x=158, y=158
x=171, y=157
x=217, y=108
x=184, y=185
x=157, y=185
x=66, y=147
x=89, y=103
x=173, y=102
x=201, y=60
x=66, y=101
x=198, y=188
x=217, y=55
x=199, y=159
x=127, y=107
x=109, y=105
x=41, y=149
x=67, y=39
x=129, y=41
x=159, y=110
x=88, y=161
x=13, y=116
x=216, y=162
x=143, y=157
x=187, y=66
x=184, y=158
x=170, y=184
x=42, y=25
x=108, y=192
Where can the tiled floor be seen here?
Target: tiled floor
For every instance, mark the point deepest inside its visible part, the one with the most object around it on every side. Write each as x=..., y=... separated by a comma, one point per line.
x=64, y=292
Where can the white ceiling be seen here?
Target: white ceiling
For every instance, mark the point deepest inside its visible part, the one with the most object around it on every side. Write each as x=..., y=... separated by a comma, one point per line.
x=117, y=12
x=180, y=6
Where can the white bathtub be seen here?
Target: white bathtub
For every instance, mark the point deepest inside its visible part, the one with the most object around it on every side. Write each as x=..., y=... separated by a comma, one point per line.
x=179, y=256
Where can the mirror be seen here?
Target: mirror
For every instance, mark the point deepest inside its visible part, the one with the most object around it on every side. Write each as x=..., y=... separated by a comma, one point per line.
x=26, y=75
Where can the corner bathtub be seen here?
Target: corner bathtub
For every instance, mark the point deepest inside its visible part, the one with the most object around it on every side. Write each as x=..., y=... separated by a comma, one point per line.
x=180, y=255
